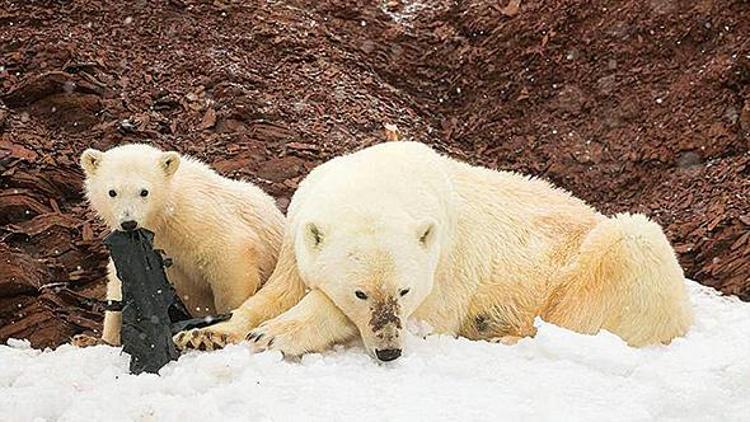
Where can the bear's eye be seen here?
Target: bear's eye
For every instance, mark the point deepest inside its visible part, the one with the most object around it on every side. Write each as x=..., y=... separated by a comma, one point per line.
x=360, y=295
x=404, y=292
x=112, y=193
x=144, y=193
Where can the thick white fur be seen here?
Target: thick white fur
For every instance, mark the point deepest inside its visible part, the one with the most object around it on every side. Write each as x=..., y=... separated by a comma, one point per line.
x=482, y=253
x=223, y=235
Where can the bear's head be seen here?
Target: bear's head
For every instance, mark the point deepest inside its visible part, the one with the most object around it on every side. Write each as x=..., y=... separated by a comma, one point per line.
x=128, y=186
x=376, y=273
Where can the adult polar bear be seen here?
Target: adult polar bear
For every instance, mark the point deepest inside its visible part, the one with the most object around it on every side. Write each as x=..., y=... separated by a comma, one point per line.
x=397, y=231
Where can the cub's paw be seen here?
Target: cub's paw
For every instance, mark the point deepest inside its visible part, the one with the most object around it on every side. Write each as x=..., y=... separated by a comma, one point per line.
x=85, y=340
x=210, y=338
x=286, y=336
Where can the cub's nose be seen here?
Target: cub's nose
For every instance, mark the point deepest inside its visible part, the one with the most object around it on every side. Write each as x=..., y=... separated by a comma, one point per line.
x=128, y=225
x=387, y=355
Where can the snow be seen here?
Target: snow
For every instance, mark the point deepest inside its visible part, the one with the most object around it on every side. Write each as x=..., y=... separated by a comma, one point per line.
x=558, y=375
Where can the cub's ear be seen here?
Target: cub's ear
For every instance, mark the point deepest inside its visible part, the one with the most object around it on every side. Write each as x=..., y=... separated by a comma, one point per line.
x=313, y=236
x=426, y=232
x=90, y=160
x=169, y=162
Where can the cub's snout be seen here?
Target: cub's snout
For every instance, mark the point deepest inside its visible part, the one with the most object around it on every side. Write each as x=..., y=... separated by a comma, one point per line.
x=129, y=225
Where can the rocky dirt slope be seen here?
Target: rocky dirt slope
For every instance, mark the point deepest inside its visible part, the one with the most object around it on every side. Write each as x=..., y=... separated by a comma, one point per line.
x=632, y=105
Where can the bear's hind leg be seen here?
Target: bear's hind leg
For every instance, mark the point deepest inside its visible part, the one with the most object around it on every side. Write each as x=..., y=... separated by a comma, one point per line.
x=626, y=279
x=500, y=318
x=506, y=340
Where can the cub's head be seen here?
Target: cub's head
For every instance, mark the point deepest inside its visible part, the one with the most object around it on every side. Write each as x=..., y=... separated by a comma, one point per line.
x=128, y=185
x=377, y=274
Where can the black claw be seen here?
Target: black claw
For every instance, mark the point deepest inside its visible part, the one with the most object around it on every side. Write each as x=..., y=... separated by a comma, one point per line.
x=260, y=336
x=251, y=336
x=270, y=342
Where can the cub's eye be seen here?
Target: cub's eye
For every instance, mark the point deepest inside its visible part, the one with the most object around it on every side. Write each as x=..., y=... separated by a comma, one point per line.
x=144, y=193
x=112, y=193
x=360, y=295
x=404, y=292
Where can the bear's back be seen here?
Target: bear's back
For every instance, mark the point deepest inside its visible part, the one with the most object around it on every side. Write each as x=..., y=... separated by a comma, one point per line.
x=394, y=176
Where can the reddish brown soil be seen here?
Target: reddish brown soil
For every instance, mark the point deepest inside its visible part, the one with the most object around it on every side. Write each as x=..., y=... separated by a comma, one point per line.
x=640, y=105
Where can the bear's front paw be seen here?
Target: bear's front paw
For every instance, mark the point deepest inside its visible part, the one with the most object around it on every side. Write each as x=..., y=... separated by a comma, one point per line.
x=209, y=338
x=85, y=340
x=285, y=336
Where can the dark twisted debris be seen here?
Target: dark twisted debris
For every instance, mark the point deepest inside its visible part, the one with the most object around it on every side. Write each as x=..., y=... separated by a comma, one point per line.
x=151, y=310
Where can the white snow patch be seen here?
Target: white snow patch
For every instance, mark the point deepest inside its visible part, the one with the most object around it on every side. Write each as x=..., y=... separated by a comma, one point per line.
x=407, y=12
x=558, y=375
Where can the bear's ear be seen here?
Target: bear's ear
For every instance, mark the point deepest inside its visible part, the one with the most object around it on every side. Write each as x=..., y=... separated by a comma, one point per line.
x=313, y=236
x=426, y=233
x=169, y=162
x=90, y=160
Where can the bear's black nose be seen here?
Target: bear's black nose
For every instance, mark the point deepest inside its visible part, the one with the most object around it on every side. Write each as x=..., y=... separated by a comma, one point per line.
x=128, y=225
x=387, y=355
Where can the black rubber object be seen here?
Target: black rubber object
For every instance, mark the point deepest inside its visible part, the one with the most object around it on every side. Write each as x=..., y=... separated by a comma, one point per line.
x=151, y=310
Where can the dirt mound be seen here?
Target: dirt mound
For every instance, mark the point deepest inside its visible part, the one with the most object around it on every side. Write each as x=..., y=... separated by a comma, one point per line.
x=635, y=106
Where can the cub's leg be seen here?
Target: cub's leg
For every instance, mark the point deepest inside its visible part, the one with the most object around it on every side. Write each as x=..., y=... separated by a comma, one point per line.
x=282, y=291
x=193, y=291
x=626, y=279
x=235, y=278
x=112, y=319
x=313, y=325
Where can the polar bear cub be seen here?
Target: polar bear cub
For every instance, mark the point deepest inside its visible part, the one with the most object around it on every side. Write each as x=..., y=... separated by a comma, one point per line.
x=398, y=231
x=223, y=235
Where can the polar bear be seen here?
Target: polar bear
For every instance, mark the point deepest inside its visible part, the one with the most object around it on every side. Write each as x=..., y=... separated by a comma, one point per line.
x=397, y=231
x=222, y=235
